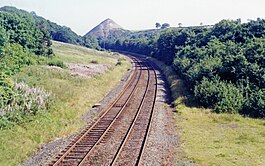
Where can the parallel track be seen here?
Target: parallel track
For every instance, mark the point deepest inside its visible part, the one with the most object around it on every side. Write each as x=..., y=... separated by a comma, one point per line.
x=82, y=148
x=131, y=150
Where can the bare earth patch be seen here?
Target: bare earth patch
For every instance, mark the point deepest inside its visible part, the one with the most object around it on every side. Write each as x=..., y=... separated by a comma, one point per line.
x=87, y=70
x=54, y=68
x=83, y=70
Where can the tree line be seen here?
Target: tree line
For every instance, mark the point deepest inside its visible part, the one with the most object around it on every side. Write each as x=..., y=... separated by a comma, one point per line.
x=53, y=30
x=223, y=65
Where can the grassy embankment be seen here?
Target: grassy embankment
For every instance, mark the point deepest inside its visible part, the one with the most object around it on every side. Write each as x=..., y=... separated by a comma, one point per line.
x=72, y=97
x=215, y=139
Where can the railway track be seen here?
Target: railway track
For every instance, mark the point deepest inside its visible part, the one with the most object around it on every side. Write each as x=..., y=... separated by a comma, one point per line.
x=121, y=130
x=132, y=147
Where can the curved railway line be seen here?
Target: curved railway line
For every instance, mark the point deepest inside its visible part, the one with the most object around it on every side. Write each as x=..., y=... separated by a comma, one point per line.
x=119, y=136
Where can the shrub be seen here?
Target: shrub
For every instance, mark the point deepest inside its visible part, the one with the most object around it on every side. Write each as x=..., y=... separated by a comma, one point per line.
x=14, y=57
x=56, y=62
x=231, y=99
x=255, y=105
x=219, y=95
x=6, y=90
x=94, y=62
x=119, y=62
x=24, y=101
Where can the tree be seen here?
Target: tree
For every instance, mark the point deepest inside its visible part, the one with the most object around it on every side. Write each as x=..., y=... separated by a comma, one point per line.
x=165, y=25
x=158, y=25
x=223, y=64
x=23, y=31
x=180, y=25
x=91, y=42
x=239, y=20
x=3, y=36
x=48, y=28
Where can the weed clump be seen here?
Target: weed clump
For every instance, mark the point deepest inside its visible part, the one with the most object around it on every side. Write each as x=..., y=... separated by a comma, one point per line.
x=56, y=62
x=94, y=62
x=25, y=100
x=119, y=62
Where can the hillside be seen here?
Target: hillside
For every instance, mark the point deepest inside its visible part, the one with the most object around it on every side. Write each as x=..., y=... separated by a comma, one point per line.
x=55, y=31
x=107, y=28
x=108, y=32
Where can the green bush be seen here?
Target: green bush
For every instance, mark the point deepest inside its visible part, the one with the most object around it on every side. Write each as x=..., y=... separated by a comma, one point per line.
x=221, y=96
x=14, y=57
x=255, y=105
x=23, y=31
x=3, y=37
x=56, y=62
x=6, y=90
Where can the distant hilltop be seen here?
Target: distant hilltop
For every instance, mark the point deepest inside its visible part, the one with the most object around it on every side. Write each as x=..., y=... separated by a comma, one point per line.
x=107, y=28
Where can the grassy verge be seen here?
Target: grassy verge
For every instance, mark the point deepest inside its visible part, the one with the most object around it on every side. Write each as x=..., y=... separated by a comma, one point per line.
x=75, y=54
x=72, y=97
x=215, y=139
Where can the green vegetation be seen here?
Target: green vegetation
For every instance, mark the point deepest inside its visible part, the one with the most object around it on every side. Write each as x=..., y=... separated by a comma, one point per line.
x=221, y=139
x=222, y=68
x=222, y=65
x=56, y=62
x=63, y=50
x=57, y=32
x=51, y=29
x=29, y=115
x=23, y=31
x=28, y=101
x=22, y=44
x=71, y=97
x=213, y=139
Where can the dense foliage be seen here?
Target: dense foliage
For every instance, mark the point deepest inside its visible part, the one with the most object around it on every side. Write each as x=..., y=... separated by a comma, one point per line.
x=21, y=43
x=50, y=29
x=22, y=31
x=223, y=65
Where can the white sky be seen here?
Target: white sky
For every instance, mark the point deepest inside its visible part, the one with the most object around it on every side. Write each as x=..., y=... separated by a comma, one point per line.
x=82, y=15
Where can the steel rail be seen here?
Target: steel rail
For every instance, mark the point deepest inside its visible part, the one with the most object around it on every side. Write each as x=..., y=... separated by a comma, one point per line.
x=131, y=126
x=107, y=111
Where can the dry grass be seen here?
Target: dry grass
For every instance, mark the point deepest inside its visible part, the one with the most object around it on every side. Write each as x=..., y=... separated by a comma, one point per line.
x=76, y=54
x=72, y=97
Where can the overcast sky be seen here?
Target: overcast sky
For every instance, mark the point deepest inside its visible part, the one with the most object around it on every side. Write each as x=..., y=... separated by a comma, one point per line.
x=82, y=15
